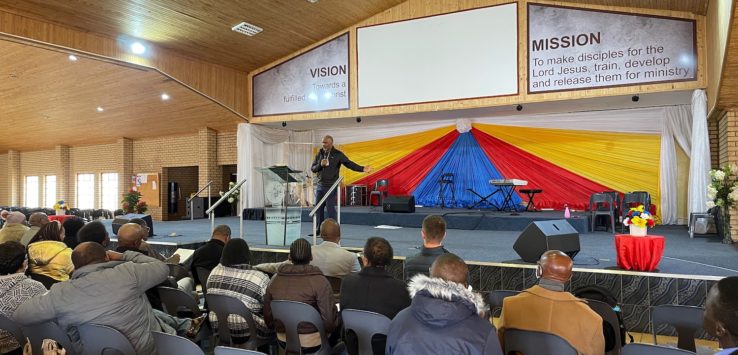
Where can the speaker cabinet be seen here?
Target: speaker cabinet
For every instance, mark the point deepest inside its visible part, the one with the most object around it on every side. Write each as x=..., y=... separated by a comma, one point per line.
x=402, y=204
x=121, y=220
x=539, y=237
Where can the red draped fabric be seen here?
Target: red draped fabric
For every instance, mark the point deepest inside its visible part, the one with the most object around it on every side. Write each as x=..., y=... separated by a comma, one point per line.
x=405, y=174
x=559, y=185
x=639, y=253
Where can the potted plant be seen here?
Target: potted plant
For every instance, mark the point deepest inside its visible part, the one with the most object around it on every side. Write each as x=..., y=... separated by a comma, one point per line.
x=233, y=198
x=639, y=220
x=61, y=208
x=722, y=192
x=132, y=202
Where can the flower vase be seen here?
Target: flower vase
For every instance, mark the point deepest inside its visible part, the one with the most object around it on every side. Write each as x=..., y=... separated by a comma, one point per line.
x=60, y=212
x=727, y=239
x=638, y=231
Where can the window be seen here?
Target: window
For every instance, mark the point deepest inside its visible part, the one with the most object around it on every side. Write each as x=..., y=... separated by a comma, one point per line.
x=109, y=186
x=31, y=191
x=50, y=191
x=85, y=191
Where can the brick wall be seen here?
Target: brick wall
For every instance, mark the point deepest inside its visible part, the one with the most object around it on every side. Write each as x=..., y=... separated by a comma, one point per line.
x=712, y=132
x=125, y=157
x=722, y=140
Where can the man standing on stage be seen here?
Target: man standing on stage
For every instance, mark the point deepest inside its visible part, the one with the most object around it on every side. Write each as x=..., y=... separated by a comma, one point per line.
x=327, y=165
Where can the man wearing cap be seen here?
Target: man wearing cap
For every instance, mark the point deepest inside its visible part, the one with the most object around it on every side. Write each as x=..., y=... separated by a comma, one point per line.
x=14, y=227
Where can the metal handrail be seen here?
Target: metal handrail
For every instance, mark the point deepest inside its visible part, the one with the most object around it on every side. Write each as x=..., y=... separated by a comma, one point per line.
x=320, y=204
x=189, y=200
x=217, y=203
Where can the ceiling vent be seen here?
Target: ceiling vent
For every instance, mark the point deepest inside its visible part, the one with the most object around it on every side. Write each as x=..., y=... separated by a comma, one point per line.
x=247, y=29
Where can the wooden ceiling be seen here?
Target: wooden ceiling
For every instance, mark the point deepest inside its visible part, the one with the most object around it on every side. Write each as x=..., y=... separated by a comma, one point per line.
x=47, y=99
x=202, y=28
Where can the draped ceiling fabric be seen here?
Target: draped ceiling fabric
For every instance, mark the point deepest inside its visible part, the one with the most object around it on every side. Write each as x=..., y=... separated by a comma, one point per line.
x=569, y=156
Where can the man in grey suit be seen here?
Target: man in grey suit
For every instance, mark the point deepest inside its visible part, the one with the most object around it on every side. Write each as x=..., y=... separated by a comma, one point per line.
x=329, y=257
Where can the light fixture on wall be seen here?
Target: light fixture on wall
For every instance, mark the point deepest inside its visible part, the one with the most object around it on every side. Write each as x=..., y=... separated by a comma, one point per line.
x=138, y=48
x=164, y=96
x=72, y=57
x=358, y=119
x=519, y=107
x=284, y=123
x=635, y=98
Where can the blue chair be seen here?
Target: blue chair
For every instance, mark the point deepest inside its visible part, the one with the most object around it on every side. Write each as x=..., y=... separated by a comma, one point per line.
x=172, y=344
x=687, y=320
x=536, y=343
x=365, y=324
x=291, y=314
x=646, y=349
x=99, y=339
x=224, y=350
x=223, y=306
x=11, y=327
x=48, y=330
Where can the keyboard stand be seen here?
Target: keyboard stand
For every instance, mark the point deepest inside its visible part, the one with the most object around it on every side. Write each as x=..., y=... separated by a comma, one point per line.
x=507, y=202
x=483, y=198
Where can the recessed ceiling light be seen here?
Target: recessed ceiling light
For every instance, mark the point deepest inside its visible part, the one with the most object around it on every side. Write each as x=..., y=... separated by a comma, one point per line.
x=73, y=57
x=312, y=1
x=247, y=29
x=138, y=48
x=164, y=96
x=100, y=109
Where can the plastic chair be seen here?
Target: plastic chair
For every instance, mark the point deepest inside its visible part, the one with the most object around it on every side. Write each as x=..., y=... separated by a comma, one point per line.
x=615, y=197
x=381, y=194
x=14, y=329
x=48, y=330
x=202, y=275
x=647, y=349
x=172, y=344
x=336, y=286
x=365, y=324
x=536, y=343
x=178, y=271
x=495, y=299
x=608, y=315
x=224, y=350
x=174, y=299
x=223, y=306
x=602, y=205
x=291, y=314
x=686, y=319
x=446, y=180
x=98, y=339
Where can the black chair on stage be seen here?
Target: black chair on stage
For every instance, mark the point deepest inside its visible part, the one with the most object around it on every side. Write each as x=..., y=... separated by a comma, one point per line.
x=615, y=197
x=602, y=205
x=446, y=181
x=381, y=190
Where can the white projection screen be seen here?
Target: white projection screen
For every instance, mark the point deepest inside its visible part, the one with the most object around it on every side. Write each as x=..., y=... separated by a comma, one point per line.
x=461, y=55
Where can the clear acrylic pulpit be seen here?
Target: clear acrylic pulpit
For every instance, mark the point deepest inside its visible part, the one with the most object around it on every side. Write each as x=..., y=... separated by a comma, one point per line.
x=282, y=205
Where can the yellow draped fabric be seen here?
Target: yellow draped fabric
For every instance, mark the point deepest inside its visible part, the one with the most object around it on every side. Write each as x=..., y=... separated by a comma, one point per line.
x=622, y=161
x=383, y=152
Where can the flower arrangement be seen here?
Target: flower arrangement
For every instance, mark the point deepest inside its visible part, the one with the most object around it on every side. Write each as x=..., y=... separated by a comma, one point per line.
x=235, y=195
x=61, y=205
x=723, y=189
x=132, y=202
x=638, y=216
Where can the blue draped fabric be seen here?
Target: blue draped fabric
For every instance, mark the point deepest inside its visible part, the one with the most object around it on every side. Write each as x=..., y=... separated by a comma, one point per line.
x=471, y=169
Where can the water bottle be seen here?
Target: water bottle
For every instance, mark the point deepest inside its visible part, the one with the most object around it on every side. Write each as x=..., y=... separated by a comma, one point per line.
x=567, y=213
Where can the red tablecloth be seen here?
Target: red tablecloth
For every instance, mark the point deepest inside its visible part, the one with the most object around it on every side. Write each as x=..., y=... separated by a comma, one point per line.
x=61, y=218
x=639, y=253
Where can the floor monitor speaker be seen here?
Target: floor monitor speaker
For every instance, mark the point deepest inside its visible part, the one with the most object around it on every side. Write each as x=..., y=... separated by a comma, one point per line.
x=403, y=204
x=121, y=220
x=539, y=237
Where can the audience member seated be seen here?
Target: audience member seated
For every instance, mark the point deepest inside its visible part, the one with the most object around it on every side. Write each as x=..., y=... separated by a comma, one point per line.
x=94, y=232
x=107, y=288
x=234, y=277
x=548, y=308
x=721, y=314
x=35, y=221
x=15, y=288
x=433, y=232
x=48, y=255
x=146, y=248
x=71, y=227
x=208, y=255
x=373, y=289
x=301, y=282
x=14, y=227
x=3, y=214
x=329, y=257
x=445, y=315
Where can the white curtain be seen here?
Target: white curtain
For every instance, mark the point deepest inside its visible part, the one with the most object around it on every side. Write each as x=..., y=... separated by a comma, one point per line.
x=677, y=126
x=699, y=163
x=259, y=147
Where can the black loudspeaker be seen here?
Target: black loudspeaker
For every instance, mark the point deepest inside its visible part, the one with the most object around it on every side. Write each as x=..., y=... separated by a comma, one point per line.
x=121, y=220
x=539, y=237
x=404, y=204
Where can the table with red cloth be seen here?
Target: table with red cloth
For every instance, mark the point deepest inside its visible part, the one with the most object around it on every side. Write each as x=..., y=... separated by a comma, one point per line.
x=61, y=218
x=639, y=253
